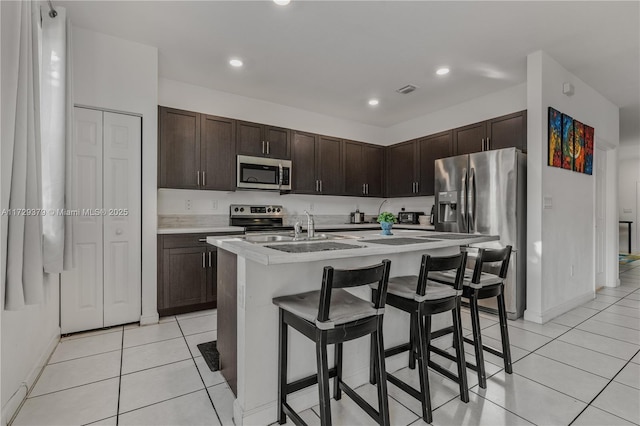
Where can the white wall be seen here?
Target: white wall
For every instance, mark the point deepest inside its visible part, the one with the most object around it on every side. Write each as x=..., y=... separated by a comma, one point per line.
x=495, y=104
x=180, y=95
x=120, y=75
x=629, y=191
x=29, y=335
x=561, y=239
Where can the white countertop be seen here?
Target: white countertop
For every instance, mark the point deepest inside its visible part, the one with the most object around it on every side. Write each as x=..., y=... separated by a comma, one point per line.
x=258, y=252
x=201, y=230
x=320, y=227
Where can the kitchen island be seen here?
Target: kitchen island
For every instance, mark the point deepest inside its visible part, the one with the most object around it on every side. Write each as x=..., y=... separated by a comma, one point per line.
x=252, y=272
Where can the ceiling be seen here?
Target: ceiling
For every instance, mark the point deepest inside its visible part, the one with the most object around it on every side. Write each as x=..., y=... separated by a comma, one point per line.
x=330, y=57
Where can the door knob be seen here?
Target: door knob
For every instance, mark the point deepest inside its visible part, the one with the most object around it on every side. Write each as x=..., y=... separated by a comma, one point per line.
x=119, y=231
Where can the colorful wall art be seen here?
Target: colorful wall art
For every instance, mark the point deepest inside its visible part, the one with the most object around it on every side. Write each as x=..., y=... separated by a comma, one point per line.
x=567, y=142
x=570, y=142
x=578, y=146
x=588, y=149
x=555, y=138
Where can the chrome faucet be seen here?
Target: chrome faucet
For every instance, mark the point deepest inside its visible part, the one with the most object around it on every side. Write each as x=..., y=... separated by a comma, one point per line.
x=380, y=207
x=311, y=228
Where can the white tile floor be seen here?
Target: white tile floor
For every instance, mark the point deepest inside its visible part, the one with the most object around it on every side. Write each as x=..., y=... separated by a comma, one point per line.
x=582, y=368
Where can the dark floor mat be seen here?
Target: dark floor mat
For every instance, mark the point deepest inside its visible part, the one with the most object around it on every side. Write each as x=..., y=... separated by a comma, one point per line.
x=210, y=354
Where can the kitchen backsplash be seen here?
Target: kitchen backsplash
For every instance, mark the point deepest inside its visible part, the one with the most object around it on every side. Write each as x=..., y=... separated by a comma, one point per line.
x=182, y=202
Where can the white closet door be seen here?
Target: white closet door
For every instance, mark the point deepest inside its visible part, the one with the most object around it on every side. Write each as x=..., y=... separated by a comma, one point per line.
x=81, y=298
x=122, y=221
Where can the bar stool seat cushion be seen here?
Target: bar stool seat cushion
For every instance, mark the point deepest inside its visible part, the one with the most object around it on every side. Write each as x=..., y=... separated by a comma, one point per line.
x=405, y=287
x=345, y=307
x=486, y=279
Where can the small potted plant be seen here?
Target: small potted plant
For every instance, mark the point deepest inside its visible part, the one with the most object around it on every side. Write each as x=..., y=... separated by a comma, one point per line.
x=386, y=221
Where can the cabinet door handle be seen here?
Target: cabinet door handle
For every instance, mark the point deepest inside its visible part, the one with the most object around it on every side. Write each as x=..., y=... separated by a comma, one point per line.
x=204, y=178
x=320, y=185
x=488, y=144
x=417, y=187
x=198, y=175
x=364, y=191
x=267, y=147
x=202, y=240
x=263, y=147
x=210, y=259
x=367, y=188
x=317, y=186
x=204, y=264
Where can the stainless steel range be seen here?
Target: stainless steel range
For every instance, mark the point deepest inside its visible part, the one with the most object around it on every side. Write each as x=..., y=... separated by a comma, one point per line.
x=258, y=218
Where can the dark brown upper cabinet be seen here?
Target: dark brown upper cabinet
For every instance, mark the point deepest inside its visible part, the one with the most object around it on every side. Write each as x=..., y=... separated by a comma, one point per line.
x=430, y=149
x=401, y=176
x=197, y=151
x=363, y=169
x=317, y=164
x=179, y=150
x=217, y=153
x=501, y=132
x=508, y=131
x=260, y=140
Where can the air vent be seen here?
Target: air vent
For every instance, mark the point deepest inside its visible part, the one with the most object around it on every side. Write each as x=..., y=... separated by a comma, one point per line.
x=406, y=89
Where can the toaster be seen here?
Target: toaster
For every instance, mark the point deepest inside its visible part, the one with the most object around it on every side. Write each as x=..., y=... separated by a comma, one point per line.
x=409, y=217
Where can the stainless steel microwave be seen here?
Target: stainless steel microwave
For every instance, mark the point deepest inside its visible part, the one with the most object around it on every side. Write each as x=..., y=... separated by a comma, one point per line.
x=263, y=173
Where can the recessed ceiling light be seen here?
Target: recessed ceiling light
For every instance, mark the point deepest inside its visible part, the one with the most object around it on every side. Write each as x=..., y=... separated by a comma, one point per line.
x=235, y=63
x=442, y=71
x=281, y=2
x=373, y=102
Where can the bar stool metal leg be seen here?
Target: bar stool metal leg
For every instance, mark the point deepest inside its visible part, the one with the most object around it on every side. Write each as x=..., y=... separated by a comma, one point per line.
x=423, y=344
x=282, y=367
x=337, y=391
x=373, y=362
x=383, y=402
x=459, y=347
x=323, y=378
x=413, y=347
x=504, y=332
x=477, y=340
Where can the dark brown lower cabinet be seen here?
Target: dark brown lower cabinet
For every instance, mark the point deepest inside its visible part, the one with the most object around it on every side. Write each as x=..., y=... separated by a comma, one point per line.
x=187, y=274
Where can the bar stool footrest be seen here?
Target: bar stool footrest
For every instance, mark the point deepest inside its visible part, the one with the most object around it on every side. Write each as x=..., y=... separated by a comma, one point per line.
x=405, y=387
x=305, y=382
x=293, y=415
x=397, y=350
x=375, y=415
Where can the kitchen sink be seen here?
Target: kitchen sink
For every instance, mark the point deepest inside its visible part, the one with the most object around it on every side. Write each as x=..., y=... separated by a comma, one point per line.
x=311, y=246
x=276, y=238
x=267, y=238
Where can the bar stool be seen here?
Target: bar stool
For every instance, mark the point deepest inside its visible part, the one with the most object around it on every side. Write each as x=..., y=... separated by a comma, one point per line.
x=333, y=316
x=479, y=285
x=422, y=298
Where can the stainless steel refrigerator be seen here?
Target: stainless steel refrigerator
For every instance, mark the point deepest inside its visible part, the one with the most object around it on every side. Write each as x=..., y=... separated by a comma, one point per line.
x=485, y=193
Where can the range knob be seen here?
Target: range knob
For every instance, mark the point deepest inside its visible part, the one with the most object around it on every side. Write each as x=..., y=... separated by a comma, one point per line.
x=241, y=209
x=235, y=210
x=278, y=210
x=269, y=210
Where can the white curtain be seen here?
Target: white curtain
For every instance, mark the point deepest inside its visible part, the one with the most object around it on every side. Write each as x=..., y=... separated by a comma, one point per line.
x=57, y=130
x=24, y=263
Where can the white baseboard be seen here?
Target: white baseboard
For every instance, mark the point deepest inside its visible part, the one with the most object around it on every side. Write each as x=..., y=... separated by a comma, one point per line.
x=150, y=319
x=13, y=404
x=563, y=308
